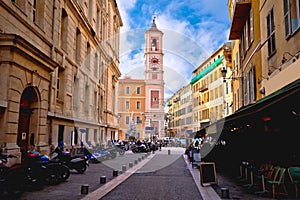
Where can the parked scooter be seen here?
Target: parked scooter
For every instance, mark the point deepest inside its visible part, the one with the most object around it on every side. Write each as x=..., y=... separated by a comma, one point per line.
x=79, y=163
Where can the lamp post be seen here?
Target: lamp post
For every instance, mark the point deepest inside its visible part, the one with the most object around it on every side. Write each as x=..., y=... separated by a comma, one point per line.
x=224, y=73
x=241, y=78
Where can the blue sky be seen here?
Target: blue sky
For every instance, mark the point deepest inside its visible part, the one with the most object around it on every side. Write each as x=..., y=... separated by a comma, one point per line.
x=193, y=29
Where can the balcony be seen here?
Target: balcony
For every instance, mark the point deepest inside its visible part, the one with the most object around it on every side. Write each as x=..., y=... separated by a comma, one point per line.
x=203, y=88
x=240, y=13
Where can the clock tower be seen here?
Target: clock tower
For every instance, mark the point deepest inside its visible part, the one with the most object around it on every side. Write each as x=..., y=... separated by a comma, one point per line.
x=154, y=82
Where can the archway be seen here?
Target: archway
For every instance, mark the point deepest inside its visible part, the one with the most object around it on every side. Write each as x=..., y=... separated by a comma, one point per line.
x=28, y=119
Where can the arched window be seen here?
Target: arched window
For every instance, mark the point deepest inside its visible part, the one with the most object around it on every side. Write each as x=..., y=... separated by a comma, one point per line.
x=153, y=45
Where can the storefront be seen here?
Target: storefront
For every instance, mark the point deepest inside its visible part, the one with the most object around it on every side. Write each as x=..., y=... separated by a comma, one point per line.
x=261, y=132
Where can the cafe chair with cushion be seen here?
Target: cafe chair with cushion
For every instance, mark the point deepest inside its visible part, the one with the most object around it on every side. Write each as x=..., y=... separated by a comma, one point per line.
x=294, y=174
x=277, y=182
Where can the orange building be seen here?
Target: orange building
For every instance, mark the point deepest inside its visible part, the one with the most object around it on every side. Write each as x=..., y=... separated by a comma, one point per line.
x=131, y=107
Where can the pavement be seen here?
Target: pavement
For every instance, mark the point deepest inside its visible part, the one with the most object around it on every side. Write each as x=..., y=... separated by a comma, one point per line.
x=209, y=192
x=126, y=166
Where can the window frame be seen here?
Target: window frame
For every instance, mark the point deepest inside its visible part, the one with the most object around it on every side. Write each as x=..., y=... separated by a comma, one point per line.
x=271, y=33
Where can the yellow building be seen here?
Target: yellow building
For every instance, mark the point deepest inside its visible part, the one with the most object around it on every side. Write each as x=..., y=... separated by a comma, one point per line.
x=246, y=54
x=212, y=96
x=59, y=66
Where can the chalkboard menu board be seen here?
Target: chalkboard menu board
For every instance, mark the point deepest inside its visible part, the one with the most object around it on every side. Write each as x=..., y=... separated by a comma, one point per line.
x=208, y=173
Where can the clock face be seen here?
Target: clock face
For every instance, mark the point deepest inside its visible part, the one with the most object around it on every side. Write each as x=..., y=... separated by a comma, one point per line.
x=154, y=60
x=154, y=63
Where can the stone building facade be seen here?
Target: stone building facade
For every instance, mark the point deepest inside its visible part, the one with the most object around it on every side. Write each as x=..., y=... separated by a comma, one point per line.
x=59, y=68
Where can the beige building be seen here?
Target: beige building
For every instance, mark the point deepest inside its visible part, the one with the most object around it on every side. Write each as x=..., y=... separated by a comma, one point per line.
x=212, y=96
x=59, y=67
x=280, y=48
x=180, y=113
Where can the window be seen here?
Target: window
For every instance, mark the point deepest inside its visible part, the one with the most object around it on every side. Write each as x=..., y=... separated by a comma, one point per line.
x=154, y=45
x=138, y=120
x=114, y=99
x=138, y=90
x=250, y=88
x=138, y=105
x=60, y=134
x=98, y=21
x=287, y=18
x=127, y=105
x=251, y=26
x=246, y=35
x=34, y=11
x=127, y=90
x=76, y=93
x=87, y=99
x=78, y=46
x=271, y=33
x=88, y=55
x=291, y=11
x=127, y=119
x=95, y=135
x=154, y=99
x=96, y=65
x=64, y=30
x=60, y=84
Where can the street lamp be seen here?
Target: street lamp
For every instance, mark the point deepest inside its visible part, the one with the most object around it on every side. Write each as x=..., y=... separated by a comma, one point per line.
x=224, y=72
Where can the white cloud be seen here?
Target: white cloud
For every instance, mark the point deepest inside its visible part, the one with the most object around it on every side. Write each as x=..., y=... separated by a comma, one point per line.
x=185, y=45
x=124, y=7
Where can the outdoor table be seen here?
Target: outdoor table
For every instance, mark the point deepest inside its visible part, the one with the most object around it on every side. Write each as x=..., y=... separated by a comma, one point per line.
x=262, y=171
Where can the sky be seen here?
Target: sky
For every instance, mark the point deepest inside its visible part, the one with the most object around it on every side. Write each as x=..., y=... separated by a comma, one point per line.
x=193, y=30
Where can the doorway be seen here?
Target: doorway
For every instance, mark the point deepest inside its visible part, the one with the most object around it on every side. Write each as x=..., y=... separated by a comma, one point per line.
x=28, y=118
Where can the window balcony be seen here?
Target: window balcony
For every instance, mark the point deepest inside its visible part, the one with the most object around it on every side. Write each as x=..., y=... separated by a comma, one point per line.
x=240, y=13
x=203, y=88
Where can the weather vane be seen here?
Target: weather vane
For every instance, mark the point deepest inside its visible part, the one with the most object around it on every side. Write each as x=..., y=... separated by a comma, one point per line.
x=154, y=16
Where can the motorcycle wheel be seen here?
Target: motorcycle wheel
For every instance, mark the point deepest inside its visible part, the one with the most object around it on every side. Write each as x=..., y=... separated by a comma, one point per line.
x=64, y=173
x=81, y=168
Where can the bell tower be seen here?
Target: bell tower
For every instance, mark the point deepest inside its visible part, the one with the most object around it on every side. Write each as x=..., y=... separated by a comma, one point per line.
x=154, y=82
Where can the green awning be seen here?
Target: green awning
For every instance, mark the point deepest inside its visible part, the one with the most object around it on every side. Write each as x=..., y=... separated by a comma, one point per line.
x=207, y=70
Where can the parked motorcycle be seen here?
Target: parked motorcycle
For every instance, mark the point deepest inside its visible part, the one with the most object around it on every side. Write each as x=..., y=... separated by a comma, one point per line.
x=52, y=172
x=79, y=163
x=140, y=148
x=12, y=176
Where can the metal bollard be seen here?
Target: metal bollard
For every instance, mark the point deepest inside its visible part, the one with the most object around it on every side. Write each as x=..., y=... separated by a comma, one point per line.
x=143, y=157
x=130, y=164
x=135, y=162
x=139, y=159
x=225, y=193
x=169, y=152
x=115, y=172
x=84, y=189
x=123, y=168
x=103, y=179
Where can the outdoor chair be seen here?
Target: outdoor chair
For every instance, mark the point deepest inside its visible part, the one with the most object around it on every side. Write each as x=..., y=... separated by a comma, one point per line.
x=263, y=172
x=294, y=174
x=277, y=182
